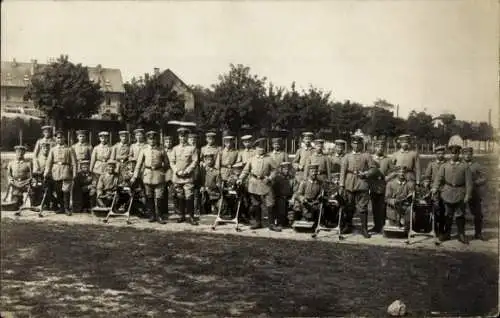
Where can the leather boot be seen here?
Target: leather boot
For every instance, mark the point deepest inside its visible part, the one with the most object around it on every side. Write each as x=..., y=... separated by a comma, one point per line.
x=150, y=202
x=461, y=230
x=157, y=207
x=181, y=204
x=478, y=229
x=446, y=234
x=364, y=226
x=190, y=210
x=256, y=218
x=60, y=201
x=66, y=199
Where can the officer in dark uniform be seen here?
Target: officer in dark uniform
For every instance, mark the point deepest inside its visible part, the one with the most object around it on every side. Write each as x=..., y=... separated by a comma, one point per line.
x=479, y=180
x=455, y=180
x=378, y=186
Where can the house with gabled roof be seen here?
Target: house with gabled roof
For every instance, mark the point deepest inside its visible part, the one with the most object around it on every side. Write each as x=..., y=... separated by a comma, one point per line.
x=15, y=76
x=171, y=79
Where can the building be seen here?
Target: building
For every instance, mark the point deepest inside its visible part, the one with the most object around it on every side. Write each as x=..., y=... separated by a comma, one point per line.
x=169, y=78
x=16, y=76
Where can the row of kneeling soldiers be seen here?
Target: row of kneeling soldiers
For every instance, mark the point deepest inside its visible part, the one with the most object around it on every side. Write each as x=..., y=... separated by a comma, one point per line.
x=198, y=179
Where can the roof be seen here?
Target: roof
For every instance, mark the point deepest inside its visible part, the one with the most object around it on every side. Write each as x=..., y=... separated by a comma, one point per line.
x=13, y=75
x=170, y=78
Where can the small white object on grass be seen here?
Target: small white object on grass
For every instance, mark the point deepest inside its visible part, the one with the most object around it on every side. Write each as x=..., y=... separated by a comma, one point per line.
x=397, y=309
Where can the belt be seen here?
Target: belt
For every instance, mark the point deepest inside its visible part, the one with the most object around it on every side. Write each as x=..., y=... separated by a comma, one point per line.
x=226, y=166
x=20, y=179
x=122, y=160
x=61, y=163
x=152, y=168
x=257, y=177
x=455, y=185
x=353, y=171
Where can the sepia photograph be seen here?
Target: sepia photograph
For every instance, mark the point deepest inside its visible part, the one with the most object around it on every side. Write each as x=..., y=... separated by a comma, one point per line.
x=336, y=158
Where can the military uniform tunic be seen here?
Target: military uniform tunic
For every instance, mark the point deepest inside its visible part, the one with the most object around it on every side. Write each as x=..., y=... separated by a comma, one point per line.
x=224, y=162
x=39, y=163
x=245, y=155
x=107, y=184
x=61, y=163
x=300, y=160
x=308, y=191
x=260, y=171
x=455, y=179
x=323, y=163
x=153, y=161
x=354, y=163
x=336, y=162
x=432, y=169
x=83, y=151
x=384, y=165
x=411, y=160
x=397, y=190
x=135, y=149
x=210, y=150
x=19, y=173
x=120, y=152
x=38, y=145
x=100, y=155
x=169, y=173
x=278, y=156
x=184, y=159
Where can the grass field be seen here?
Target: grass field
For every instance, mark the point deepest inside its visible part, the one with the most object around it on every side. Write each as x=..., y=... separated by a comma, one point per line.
x=55, y=270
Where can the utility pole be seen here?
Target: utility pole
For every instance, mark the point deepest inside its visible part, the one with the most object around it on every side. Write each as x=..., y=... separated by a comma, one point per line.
x=397, y=110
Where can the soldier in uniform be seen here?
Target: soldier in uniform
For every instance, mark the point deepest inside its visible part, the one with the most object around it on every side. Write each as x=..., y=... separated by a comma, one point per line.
x=19, y=176
x=107, y=184
x=193, y=141
x=247, y=152
x=82, y=148
x=39, y=164
x=40, y=161
x=378, y=186
x=284, y=188
x=307, y=198
x=475, y=202
x=83, y=182
x=318, y=158
x=210, y=147
x=398, y=195
x=226, y=158
x=168, y=144
x=153, y=163
x=61, y=167
x=139, y=144
x=336, y=157
x=100, y=155
x=302, y=155
x=210, y=178
x=430, y=174
x=260, y=170
x=357, y=168
x=454, y=178
x=184, y=161
x=278, y=155
x=120, y=152
x=408, y=158
x=47, y=137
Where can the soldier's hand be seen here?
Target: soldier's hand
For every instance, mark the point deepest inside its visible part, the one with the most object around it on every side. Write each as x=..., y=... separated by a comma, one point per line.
x=11, y=180
x=133, y=179
x=466, y=199
x=341, y=190
x=239, y=182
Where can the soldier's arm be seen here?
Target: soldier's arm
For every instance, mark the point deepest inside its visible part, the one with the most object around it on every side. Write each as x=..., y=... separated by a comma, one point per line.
x=48, y=163
x=113, y=153
x=343, y=170
x=296, y=159
x=480, y=176
x=428, y=171
x=74, y=166
x=246, y=171
x=166, y=162
x=299, y=195
x=36, y=150
x=100, y=186
x=388, y=191
x=469, y=184
x=417, y=168
x=36, y=167
x=138, y=165
x=93, y=158
x=9, y=171
x=273, y=166
x=306, y=167
x=194, y=161
x=438, y=180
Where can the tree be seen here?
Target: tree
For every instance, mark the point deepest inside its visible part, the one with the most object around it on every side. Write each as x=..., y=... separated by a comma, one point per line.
x=63, y=91
x=149, y=102
x=382, y=103
x=420, y=125
x=381, y=122
x=347, y=117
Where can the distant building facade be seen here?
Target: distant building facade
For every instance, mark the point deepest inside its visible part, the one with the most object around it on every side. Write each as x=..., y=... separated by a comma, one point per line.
x=15, y=76
x=169, y=78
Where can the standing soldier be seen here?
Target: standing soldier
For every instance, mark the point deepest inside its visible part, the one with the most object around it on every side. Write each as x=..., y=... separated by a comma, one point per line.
x=302, y=155
x=431, y=173
x=278, y=155
x=100, y=155
x=319, y=159
x=47, y=137
x=83, y=182
x=82, y=149
x=247, y=152
x=479, y=180
x=120, y=151
x=354, y=173
x=40, y=161
x=226, y=158
x=193, y=141
x=184, y=161
x=260, y=170
x=378, y=186
x=338, y=155
x=153, y=163
x=408, y=158
x=61, y=166
x=19, y=176
x=139, y=144
x=455, y=180
x=168, y=144
x=210, y=147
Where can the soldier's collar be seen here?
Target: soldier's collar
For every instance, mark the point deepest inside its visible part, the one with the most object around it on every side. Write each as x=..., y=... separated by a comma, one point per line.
x=455, y=162
x=276, y=151
x=355, y=152
x=403, y=150
x=380, y=157
x=339, y=154
x=312, y=180
x=401, y=182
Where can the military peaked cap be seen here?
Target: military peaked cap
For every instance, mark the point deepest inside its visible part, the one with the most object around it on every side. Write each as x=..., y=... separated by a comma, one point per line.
x=193, y=135
x=439, y=148
x=103, y=133
x=313, y=166
x=138, y=131
x=167, y=137
x=123, y=132
x=182, y=130
x=210, y=134
x=111, y=162
x=340, y=142
x=47, y=127
x=84, y=162
x=356, y=139
x=319, y=141
x=404, y=137
x=260, y=143
x=81, y=132
x=468, y=149
x=276, y=140
x=151, y=133
x=60, y=133
x=307, y=134
x=285, y=164
x=20, y=147
x=246, y=137
x=209, y=154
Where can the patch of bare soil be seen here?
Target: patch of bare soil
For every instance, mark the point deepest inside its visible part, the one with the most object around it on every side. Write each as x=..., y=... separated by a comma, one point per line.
x=62, y=270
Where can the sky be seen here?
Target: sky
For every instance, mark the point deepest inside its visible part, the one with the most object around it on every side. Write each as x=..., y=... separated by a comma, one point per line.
x=434, y=56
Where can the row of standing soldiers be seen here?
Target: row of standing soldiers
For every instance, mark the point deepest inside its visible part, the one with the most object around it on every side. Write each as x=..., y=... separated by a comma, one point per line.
x=191, y=172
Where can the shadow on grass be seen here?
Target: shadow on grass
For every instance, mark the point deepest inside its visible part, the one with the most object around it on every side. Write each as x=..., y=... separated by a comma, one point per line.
x=52, y=270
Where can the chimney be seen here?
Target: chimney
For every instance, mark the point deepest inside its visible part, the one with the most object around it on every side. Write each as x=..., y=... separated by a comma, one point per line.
x=14, y=63
x=34, y=66
x=156, y=71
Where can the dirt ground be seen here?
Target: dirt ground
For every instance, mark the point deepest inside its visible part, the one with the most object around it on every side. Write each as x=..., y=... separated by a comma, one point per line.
x=56, y=269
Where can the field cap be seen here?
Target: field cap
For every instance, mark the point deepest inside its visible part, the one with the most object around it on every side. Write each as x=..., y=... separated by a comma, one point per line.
x=103, y=133
x=246, y=137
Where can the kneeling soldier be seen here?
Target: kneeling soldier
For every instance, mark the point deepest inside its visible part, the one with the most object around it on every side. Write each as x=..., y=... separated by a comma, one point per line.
x=455, y=178
x=107, y=185
x=398, y=194
x=155, y=161
x=307, y=197
x=19, y=176
x=260, y=170
x=479, y=180
x=86, y=189
x=61, y=165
